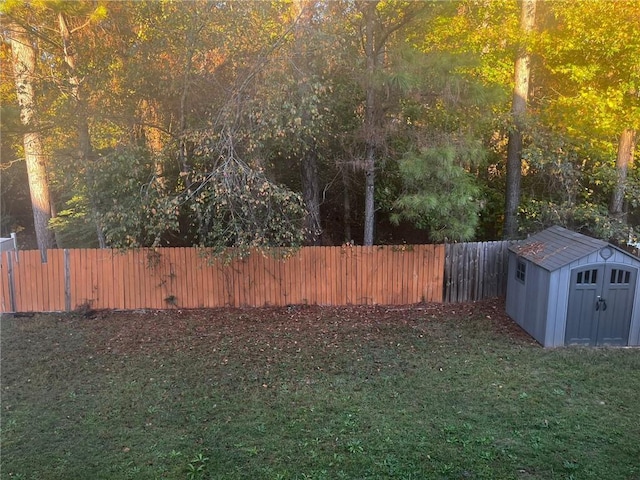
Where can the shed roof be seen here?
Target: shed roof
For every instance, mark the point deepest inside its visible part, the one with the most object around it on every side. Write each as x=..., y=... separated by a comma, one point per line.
x=556, y=247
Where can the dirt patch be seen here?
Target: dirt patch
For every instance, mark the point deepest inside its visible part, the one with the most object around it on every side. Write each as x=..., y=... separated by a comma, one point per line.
x=177, y=330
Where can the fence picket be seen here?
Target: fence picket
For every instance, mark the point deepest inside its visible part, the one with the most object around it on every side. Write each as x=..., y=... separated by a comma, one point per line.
x=314, y=284
x=85, y=286
x=217, y=297
x=52, y=283
x=257, y=259
x=415, y=273
x=268, y=279
x=29, y=281
x=204, y=279
x=18, y=273
x=317, y=292
x=5, y=282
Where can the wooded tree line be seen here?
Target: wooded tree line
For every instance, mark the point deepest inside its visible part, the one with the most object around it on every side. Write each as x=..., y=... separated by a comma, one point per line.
x=313, y=122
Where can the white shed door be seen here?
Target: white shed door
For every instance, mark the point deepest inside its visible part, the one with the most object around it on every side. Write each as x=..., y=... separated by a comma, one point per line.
x=600, y=303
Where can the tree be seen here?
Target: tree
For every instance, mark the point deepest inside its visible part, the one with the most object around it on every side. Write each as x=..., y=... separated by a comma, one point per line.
x=217, y=194
x=239, y=206
x=372, y=52
x=624, y=161
x=439, y=195
x=377, y=22
x=306, y=80
x=158, y=114
x=287, y=121
x=24, y=70
x=62, y=85
x=590, y=76
x=518, y=111
x=70, y=55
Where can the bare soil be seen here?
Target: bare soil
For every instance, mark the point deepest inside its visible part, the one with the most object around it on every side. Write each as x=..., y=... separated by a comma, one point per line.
x=176, y=329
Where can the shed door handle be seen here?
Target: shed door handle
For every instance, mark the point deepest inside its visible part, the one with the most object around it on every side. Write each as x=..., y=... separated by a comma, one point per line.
x=603, y=302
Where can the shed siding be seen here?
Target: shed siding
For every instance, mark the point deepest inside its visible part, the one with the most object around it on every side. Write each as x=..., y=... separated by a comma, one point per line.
x=536, y=302
x=552, y=309
x=560, y=315
x=634, y=331
x=557, y=308
x=515, y=292
x=625, y=259
x=588, y=260
x=558, y=305
x=527, y=302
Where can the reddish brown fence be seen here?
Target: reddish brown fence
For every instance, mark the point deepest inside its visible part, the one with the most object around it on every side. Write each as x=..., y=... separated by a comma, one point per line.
x=184, y=278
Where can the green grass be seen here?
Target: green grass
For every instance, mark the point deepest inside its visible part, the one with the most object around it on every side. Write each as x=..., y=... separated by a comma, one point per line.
x=431, y=392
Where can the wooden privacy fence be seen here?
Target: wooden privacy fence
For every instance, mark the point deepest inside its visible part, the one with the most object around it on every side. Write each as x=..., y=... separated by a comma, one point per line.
x=184, y=278
x=475, y=271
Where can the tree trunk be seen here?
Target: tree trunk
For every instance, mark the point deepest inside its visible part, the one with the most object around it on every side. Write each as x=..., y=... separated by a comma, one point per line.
x=183, y=150
x=346, y=205
x=626, y=146
x=151, y=128
x=309, y=161
x=311, y=196
x=85, y=149
x=518, y=112
x=369, y=124
x=513, y=181
x=24, y=66
x=153, y=138
x=369, y=199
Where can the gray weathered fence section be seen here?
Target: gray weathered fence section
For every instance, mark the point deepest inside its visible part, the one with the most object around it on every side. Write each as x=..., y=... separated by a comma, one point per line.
x=475, y=271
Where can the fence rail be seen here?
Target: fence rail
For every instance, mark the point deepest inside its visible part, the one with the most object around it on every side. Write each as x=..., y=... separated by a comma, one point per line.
x=184, y=278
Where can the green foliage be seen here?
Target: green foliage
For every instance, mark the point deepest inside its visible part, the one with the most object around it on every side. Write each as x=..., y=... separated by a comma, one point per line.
x=586, y=217
x=568, y=183
x=197, y=467
x=292, y=87
x=488, y=32
x=231, y=205
x=633, y=189
x=74, y=225
x=592, y=68
x=235, y=205
x=439, y=195
x=134, y=209
x=554, y=166
x=15, y=207
x=289, y=120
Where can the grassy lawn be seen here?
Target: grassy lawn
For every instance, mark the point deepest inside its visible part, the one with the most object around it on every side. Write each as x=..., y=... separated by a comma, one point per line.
x=429, y=392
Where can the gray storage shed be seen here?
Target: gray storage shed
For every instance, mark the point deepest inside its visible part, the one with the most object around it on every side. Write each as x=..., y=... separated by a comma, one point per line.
x=566, y=288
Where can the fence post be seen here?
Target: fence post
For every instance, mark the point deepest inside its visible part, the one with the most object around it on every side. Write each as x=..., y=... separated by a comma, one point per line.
x=67, y=281
x=12, y=287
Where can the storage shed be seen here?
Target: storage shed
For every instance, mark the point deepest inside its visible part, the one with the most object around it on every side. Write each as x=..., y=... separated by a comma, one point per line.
x=566, y=288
